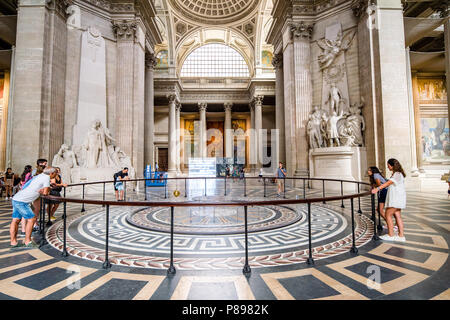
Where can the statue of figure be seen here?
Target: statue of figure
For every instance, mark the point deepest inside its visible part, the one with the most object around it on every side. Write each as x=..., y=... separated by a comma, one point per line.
x=96, y=145
x=332, y=48
x=334, y=97
x=332, y=131
x=356, y=121
x=347, y=135
x=313, y=128
x=323, y=129
x=65, y=157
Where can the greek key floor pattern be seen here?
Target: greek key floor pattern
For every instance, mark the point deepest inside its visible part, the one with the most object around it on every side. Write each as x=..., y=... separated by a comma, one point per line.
x=211, y=267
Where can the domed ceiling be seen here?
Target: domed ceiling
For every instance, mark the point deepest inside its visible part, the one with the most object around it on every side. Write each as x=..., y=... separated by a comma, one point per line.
x=214, y=11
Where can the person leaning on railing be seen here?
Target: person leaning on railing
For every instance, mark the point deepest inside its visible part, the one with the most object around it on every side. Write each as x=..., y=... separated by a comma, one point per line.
x=21, y=203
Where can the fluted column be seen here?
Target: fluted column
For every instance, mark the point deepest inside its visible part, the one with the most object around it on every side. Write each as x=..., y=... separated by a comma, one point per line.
x=150, y=63
x=252, y=136
x=228, y=130
x=172, y=166
x=298, y=94
x=178, y=146
x=257, y=102
x=202, y=109
x=125, y=33
x=279, y=110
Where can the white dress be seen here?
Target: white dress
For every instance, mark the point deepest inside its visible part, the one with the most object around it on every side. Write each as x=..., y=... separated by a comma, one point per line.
x=396, y=195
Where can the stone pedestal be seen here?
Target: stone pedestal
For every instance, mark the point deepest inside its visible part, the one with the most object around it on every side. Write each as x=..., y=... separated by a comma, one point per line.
x=344, y=163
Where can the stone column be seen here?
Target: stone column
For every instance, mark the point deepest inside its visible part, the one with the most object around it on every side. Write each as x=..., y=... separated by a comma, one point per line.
x=414, y=169
x=391, y=88
x=297, y=94
x=228, y=130
x=257, y=103
x=279, y=109
x=149, y=127
x=125, y=33
x=252, y=139
x=38, y=97
x=202, y=109
x=172, y=133
x=178, y=131
x=443, y=7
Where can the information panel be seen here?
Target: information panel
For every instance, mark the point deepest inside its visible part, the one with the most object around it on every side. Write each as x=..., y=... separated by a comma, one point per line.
x=202, y=167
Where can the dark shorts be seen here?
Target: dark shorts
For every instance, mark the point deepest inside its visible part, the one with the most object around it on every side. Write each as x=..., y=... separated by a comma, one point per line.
x=382, y=195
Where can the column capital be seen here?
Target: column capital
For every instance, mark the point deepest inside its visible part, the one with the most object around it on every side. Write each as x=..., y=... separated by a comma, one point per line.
x=359, y=7
x=202, y=106
x=227, y=106
x=172, y=98
x=177, y=105
x=124, y=29
x=277, y=61
x=257, y=100
x=150, y=60
x=302, y=30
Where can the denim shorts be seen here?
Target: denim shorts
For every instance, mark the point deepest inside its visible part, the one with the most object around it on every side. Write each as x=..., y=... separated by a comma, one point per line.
x=119, y=186
x=22, y=210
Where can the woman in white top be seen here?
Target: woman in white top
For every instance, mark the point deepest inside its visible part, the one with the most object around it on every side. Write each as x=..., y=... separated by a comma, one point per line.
x=395, y=200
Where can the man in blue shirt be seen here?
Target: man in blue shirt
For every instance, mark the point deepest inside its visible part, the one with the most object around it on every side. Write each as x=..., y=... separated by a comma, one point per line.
x=281, y=174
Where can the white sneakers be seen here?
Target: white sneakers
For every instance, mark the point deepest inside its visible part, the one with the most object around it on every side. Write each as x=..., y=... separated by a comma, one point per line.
x=386, y=237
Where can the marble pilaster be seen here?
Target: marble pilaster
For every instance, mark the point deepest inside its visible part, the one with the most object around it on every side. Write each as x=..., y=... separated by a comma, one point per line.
x=252, y=139
x=257, y=102
x=178, y=131
x=150, y=63
x=172, y=161
x=203, y=148
x=228, y=130
x=125, y=33
x=279, y=107
x=297, y=94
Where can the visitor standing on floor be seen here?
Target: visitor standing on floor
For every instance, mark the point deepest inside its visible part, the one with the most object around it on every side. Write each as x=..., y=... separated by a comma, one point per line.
x=119, y=177
x=281, y=174
x=41, y=164
x=26, y=176
x=376, y=180
x=9, y=183
x=22, y=209
x=395, y=200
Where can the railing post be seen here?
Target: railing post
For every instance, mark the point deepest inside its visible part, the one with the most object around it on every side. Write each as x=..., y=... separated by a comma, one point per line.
x=246, y=269
x=353, y=249
x=310, y=259
x=64, y=252
x=43, y=240
x=225, y=183
x=41, y=222
x=104, y=183
x=165, y=188
x=379, y=227
x=359, y=202
x=125, y=190
x=264, y=180
x=107, y=264
x=304, y=188
x=205, y=187
x=49, y=222
x=375, y=235
x=284, y=187
x=82, y=205
x=323, y=190
x=171, y=269
x=145, y=189
x=245, y=186
x=185, y=187
x=342, y=194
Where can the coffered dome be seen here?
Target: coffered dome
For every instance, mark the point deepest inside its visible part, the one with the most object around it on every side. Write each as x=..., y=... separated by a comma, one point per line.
x=214, y=11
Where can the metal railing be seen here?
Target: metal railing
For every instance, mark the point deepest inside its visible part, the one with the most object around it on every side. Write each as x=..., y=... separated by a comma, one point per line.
x=245, y=204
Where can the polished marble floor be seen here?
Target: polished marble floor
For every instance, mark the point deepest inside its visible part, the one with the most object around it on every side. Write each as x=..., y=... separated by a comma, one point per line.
x=416, y=269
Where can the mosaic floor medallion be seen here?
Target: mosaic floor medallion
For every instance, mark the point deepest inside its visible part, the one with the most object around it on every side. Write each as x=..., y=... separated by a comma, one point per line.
x=215, y=220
